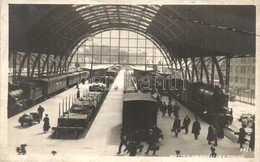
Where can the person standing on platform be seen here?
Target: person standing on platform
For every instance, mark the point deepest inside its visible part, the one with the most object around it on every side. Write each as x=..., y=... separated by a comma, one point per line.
x=164, y=107
x=176, y=109
x=252, y=138
x=176, y=126
x=46, y=125
x=196, y=128
x=241, y=136
x=211, y=135
x=40, y=111
x=78, y=94
x=169, y=109
x=123, y=141
x=186, y=123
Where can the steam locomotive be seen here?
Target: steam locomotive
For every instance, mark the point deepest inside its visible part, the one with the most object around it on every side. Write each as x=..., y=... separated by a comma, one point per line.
x=206, y=101
x=30, y=92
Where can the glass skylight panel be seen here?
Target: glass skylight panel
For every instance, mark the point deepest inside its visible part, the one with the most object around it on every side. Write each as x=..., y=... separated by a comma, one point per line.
x=81, y=8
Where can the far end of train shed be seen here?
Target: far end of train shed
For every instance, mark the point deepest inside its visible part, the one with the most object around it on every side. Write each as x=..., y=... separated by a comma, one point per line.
x=139, y=111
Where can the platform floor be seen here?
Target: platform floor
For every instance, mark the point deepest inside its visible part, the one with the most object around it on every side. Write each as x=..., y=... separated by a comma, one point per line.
x=103, y=136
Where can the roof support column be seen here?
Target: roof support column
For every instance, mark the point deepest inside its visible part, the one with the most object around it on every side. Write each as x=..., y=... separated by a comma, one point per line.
x=39, y=66
x=48, y=64
x=187, y=68
x=28, y=63
x=227, y=74
x=220, y=75
x=212, y=71
x=194, y=69
x=201, y=69
x=14, y=67
x=37, y=60
x=181, y=68
x=205, y=69
x=22, y=64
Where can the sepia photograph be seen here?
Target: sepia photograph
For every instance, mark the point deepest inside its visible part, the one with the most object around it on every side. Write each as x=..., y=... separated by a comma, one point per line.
x=99, y=80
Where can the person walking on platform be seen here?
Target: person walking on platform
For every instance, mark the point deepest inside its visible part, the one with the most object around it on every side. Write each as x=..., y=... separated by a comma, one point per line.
x=169, y=109
x=241, y=136
x=176, y=109
x=176, y=126
x=132, y=148
x=78, y=94
x=123, y=141
x=211, y=134
x=136, y=138
x=40, y=111
x=157, y=132
x=163, y=109
x=186, y=123
x=196, y=128
x=46, y=125
x=151, y=143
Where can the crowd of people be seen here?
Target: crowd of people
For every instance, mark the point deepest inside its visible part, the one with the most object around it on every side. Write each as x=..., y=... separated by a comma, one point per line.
x=215, y=131
x=132, y=141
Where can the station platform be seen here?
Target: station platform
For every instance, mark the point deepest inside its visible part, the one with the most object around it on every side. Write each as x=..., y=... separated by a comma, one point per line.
x=103, y=138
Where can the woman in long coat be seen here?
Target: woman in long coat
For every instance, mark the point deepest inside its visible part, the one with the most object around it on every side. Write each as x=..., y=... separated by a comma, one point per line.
x=196, y=128
x=46, y=125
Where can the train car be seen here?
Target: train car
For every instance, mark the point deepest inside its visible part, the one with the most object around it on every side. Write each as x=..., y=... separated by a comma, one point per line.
x=52, y=85
x=72, y=79
x=139, y=112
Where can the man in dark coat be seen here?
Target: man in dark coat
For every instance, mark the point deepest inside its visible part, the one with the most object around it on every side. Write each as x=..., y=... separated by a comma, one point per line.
x=46, y=125
x=151, y=143
x=136, y=138
x=196, y=128
x=163, y=109
x=132, y=148
x=169, y=109
x=241, y=136
x=123, y=141
x=186, y=123
x=157, y=132
x=176, y=109
x=40, y=111
x=176, y=126
x=211, y=134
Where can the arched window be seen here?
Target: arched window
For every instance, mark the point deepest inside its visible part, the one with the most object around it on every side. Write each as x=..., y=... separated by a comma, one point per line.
x=119, y=47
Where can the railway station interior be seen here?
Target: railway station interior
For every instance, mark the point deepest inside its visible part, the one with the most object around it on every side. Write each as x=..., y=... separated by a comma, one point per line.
x=102, y=74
